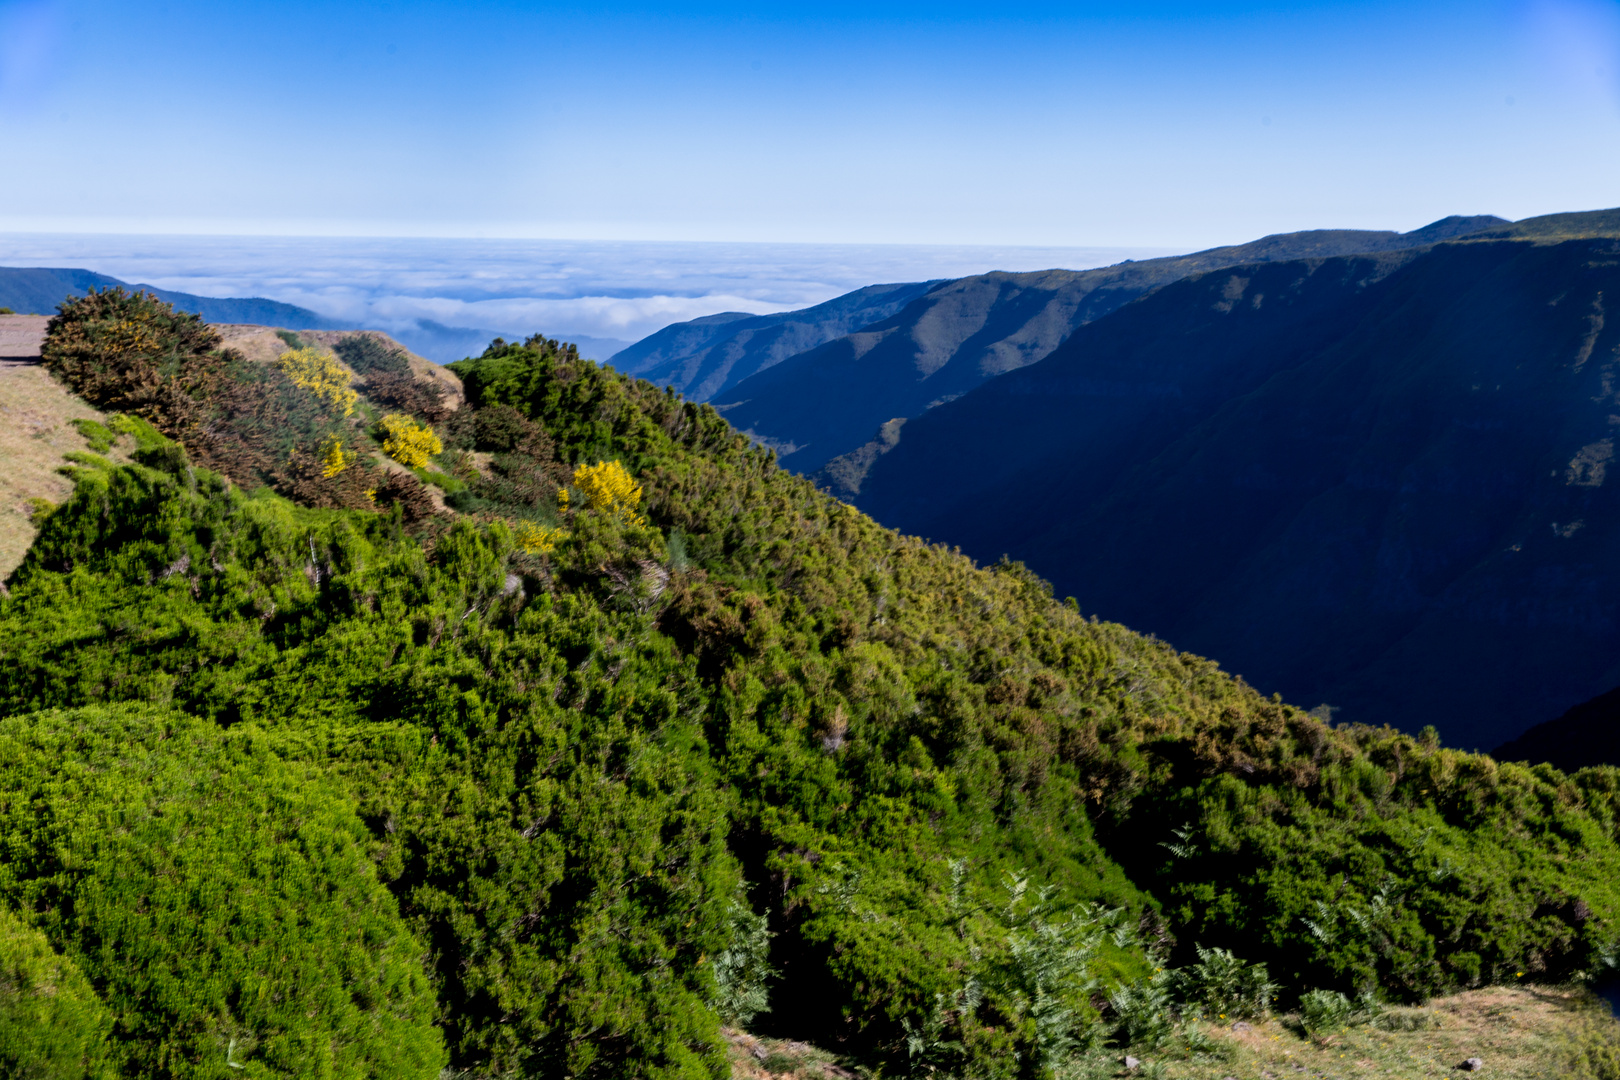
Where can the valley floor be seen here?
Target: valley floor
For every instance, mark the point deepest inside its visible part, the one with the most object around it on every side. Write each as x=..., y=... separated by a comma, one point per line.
x=1518, y=1034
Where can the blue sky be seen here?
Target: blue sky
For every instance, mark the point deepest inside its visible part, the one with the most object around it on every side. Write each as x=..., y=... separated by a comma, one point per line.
x=1173, y=125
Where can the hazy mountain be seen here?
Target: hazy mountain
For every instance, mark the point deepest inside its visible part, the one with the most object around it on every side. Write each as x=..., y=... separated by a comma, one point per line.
x=829, y=401
x=38, y=290
x=447, y=344
x=1374, y=481
x=708, y=356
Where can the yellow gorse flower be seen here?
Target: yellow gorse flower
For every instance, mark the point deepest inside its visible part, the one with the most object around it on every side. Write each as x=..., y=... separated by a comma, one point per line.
x=321, y=375
x=333, y=459
x=610, y=489
x=538, y=539
x=409, y=441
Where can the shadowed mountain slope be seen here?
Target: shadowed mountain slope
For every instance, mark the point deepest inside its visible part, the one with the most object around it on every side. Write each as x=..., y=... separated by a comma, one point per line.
x=38, y=290
x=706, y=356
x=829, y=401
x=1374, y=481
x=1588, y=734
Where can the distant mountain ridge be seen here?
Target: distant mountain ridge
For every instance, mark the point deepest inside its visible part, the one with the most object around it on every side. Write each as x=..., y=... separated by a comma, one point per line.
x=708, y=356
x=1377, y=481
x=38, y=290
x=828, y=401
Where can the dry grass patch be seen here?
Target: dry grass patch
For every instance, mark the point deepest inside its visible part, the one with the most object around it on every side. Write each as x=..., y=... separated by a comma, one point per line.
x=1517, y=1033
x=36, y=431
x=781, y=1059
x=1530, y=1033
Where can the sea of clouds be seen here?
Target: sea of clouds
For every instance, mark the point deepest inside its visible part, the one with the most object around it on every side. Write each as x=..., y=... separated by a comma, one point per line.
x=447, y=297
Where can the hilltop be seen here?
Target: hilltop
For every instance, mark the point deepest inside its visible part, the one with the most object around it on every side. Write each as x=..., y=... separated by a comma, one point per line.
x=636, y=734
x=45, y=424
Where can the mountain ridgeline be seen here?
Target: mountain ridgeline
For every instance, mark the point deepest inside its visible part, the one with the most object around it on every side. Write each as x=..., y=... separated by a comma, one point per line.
x=827, y=401
x=1379, y=482
x=638, y=734
x=39, y=290
x=708, y=356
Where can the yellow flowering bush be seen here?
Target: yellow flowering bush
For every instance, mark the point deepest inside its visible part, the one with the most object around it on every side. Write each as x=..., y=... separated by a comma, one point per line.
x=610, y=489
x=538, y=539
x=320, y=374
x=333, y=459
x=409, y=441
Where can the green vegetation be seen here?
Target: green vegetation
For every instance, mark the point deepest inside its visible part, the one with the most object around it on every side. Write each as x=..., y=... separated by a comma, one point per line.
x=221, y=898
x=52, y=1024
x=652, y=735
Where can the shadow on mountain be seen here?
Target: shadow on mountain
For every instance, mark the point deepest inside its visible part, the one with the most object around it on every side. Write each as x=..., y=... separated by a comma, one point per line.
x=1376, y=481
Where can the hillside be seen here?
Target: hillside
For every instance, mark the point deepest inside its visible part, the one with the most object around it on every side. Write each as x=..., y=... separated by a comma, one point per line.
x=828, y=401
x=638, y=735
x=707, y=356
x=1375, y=482
x=37, y=290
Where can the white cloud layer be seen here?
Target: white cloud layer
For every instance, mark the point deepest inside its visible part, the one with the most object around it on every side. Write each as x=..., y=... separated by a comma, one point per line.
x=599, y=289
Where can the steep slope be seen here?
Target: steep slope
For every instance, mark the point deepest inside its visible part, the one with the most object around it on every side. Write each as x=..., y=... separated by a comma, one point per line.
x=830, y=400
x=38, y=290
x=708, y=356
x=1375, y=482
x=653, y=737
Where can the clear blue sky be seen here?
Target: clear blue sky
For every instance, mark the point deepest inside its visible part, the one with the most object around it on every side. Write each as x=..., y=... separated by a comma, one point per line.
x=1179, y=125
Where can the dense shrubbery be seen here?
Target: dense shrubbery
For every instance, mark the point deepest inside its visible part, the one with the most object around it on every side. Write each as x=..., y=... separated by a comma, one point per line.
x=222, y=899
x=968, y=816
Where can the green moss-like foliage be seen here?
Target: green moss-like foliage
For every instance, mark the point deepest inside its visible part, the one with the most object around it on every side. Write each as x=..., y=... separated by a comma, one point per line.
x=52, y=1024
x=221, y=898
x=569, y=763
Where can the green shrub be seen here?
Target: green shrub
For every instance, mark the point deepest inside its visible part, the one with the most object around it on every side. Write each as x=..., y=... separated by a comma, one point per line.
x=368, y=355
x=221, y=897
x=1322, y=1012
x=565, y=760
x=97, y=436
x=444, y=482
x=131, y=352
x=52, y=1024
x=742, y=969
x=1225, y=987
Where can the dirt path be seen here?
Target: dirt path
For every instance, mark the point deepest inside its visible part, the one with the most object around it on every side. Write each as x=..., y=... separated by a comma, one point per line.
x=20, y=339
